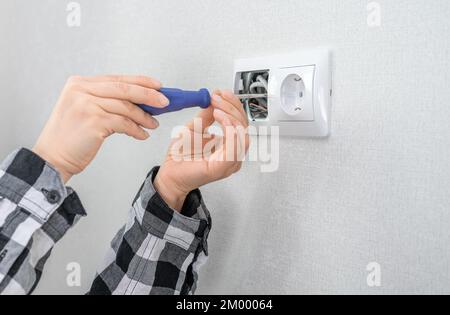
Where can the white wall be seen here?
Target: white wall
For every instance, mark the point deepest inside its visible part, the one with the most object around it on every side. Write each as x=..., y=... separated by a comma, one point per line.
x=377, y=190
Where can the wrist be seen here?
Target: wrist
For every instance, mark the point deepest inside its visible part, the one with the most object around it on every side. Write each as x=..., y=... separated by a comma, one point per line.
x=65, y=175
x=173, y=196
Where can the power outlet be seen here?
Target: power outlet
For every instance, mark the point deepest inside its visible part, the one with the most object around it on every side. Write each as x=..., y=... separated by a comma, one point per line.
x=298, y=88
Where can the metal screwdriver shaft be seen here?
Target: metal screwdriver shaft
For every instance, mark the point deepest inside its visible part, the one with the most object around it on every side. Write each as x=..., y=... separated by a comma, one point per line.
x=250, y=96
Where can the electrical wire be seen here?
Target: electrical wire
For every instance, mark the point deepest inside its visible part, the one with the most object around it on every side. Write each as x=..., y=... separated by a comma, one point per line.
x=256, y=83
x=254, y=87
x=263, y=81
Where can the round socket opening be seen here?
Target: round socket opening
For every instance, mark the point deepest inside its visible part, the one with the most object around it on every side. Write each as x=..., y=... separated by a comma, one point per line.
x=292, y=94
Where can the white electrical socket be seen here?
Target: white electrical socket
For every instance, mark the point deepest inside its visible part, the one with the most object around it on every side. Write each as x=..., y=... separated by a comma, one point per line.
x=298, y=92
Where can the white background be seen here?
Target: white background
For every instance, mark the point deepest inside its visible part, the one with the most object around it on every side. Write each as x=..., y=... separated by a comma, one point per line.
x=377, y=190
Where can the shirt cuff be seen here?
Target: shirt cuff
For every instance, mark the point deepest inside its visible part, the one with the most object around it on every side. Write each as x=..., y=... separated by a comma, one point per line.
x=36, y=186
x=188, y=229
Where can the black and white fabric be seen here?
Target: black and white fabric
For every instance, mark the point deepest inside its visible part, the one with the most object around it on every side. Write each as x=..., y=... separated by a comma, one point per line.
x=158, y=251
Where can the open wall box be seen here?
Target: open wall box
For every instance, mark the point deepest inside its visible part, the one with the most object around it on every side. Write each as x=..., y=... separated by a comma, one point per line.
x=298, y=88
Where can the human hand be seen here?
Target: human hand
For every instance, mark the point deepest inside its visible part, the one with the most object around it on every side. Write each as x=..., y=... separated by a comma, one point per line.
x=190, y=164
x=89, y=110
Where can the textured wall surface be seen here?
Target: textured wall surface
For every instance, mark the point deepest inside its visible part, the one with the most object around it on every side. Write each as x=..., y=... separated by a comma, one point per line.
x=378, y=190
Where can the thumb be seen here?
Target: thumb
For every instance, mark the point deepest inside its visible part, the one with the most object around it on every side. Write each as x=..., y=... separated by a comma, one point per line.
x=206, y=117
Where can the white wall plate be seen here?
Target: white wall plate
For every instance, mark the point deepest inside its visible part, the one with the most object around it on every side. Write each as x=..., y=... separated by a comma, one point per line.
x=298, y=91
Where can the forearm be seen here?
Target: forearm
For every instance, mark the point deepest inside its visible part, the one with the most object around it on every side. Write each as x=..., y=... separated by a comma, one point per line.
x=36, y=211
x=159, y=251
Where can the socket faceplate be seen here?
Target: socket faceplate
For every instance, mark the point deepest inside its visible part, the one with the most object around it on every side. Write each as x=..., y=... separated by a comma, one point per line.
x=299, y=91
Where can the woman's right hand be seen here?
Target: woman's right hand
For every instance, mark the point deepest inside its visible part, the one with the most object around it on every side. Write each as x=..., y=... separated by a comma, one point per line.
x=89, y=110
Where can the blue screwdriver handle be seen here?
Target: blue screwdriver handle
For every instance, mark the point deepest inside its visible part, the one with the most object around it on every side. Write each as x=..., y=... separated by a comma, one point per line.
x=179, y=100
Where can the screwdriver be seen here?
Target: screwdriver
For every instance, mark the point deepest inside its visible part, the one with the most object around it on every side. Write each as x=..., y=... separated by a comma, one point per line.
x=181, y=99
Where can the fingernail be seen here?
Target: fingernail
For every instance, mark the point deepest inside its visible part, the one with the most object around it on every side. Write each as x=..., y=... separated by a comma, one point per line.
x=147, y=135
x=164, y=100
x=153, y=123
x=217, y=98
x=227, y=92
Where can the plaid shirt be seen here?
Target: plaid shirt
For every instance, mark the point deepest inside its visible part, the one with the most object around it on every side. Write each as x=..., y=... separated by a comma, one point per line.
x=158, y=251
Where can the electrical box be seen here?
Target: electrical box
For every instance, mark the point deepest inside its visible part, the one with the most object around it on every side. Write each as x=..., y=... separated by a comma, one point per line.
x=297, y=89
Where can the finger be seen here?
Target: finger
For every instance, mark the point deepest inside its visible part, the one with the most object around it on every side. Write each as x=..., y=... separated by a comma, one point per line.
x=206, y=118
x=243, y=139
x=128, y=110
x=120, y=124
x=233, y=99
x=143, y=81
x=237, y=168
x=230, y=135
x=127, y=92
x=230, y=98
x=219, y=102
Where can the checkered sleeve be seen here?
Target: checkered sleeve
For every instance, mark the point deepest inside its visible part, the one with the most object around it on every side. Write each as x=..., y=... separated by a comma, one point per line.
x=36, y=211
x=159, y=251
